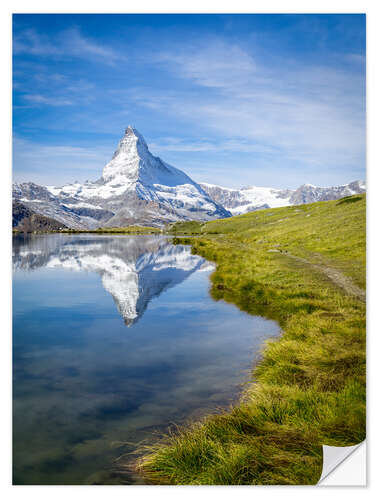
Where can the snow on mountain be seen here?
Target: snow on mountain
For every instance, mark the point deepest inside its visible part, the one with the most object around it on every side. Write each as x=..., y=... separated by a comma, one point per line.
x=26, y=220
x=138, y=188
x=239, y=201
x=135, y=188
x=309, y=193
x=248, y=199
x=132, y=271
x=41, y=201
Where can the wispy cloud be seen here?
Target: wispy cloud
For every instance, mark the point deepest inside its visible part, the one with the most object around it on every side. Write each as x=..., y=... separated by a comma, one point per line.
x=69, y=43
x=69, y=163
x=38, y=99
x=179, y=145
x=233, y=104
x=216, y=64
x=307, y=114
x=56, y=90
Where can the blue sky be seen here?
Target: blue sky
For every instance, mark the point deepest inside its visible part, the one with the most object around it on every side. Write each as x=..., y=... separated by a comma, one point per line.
x=235, y=100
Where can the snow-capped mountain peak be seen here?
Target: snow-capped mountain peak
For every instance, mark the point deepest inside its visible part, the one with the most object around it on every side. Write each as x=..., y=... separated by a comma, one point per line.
x=133, y=162
x=136, y=187
x=124, y=165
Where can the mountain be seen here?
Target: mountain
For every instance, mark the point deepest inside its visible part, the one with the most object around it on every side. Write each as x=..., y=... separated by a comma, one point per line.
x=26, y=220
x=133, y=271
x=39, y=200
x=135, y=188
x=248, y=199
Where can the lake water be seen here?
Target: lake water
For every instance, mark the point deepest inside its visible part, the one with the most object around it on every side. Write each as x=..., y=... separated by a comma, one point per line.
x=115, y=338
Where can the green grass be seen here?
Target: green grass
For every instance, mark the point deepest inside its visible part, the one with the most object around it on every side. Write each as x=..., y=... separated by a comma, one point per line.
x=185, y=227
x=309, y=387
x=120, y=230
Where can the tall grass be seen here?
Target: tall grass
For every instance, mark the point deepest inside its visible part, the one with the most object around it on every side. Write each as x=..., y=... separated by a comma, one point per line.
x=309, y=387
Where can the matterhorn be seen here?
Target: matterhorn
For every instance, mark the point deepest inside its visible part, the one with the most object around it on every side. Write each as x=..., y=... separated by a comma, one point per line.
x=136, y=187
x=139, y=188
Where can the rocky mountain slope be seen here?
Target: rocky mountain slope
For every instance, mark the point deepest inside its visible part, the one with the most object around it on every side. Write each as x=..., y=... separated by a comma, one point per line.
x=135, y=187
x=26, y=220
x=248, y=199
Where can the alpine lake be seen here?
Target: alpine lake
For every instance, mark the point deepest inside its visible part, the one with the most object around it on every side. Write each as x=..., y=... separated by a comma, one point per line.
x=115, y=341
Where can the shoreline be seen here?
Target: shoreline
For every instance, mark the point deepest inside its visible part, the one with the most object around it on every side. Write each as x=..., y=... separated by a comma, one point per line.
x=308, y=388
x=120, y=230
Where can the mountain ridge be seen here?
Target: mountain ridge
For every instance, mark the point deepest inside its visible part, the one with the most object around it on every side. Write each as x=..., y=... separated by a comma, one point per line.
x=248, y=199
x=137, y=187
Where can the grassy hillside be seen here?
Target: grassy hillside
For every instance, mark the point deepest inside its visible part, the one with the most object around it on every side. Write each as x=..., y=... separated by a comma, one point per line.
x=185, y=227
x=303, y=266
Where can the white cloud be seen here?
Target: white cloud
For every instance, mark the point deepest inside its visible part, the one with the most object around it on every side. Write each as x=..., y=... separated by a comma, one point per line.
x=50, y=101
x=53, y=90
x=179, y=145
x=31, y=42
x=216, y=64
x=69, y=43
x=74, y=43
x=314, y=115
x=294, y=122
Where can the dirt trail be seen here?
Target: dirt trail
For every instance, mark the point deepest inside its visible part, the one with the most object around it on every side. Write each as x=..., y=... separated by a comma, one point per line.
x=336, y=276
x=333, y=274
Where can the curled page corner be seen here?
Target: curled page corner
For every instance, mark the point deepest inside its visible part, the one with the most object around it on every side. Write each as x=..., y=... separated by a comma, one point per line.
x=333, y=456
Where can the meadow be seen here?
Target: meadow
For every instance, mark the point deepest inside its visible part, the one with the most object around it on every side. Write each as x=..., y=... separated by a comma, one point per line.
x=305, y=267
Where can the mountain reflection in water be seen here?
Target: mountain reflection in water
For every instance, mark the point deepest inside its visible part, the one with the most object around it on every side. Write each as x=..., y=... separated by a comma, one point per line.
x=87, y=390
x=133, y=269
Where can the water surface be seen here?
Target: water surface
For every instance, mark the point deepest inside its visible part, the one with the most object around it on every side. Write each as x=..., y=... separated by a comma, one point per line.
x=114, y=339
